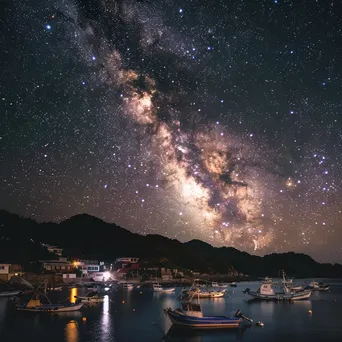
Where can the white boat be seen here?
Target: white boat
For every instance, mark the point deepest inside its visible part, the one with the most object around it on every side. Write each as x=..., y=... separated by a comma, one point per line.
x=158, y=288
x=271, y=290
x=127, y=286
x=92, y=297
x=9, y=293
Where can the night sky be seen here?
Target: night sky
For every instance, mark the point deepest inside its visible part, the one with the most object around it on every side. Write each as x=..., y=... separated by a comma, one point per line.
x=215, y=120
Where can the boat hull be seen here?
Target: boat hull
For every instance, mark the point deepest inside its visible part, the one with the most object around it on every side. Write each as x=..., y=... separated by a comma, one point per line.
x=50, y=308
x=282, y=296
x=215, y=322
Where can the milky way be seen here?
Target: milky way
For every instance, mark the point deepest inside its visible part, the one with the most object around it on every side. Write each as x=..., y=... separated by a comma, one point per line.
x=219, y=121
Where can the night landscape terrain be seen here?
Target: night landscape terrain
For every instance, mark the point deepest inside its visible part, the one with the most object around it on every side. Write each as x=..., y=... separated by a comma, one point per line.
x=91, y=238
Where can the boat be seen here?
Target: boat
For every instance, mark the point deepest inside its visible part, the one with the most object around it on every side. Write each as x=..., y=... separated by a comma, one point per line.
x=9, y=293
x=127, y=286
x=269, y=290
x=233, y=284
x=207, y=293
x=191, y=316
x=35, y=305
x=315, y=286
x=91, y=297
x=158, y=288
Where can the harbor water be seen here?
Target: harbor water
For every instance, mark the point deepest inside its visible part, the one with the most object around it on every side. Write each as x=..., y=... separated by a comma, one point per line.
x=137, y=316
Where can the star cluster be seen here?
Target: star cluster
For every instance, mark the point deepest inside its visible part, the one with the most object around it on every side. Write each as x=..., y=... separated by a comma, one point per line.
x=214, y=120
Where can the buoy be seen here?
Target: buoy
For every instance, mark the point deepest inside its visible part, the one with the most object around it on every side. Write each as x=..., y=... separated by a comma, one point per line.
x=84, y=319
x=259, y=324
x=309, y=312
x=123, y=302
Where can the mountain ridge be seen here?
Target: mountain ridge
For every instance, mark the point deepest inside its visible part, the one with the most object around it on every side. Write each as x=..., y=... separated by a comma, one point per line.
x=86, y=236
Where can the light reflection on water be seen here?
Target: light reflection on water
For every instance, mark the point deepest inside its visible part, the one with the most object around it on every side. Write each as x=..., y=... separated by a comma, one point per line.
x=71, y=331
x=131, y=321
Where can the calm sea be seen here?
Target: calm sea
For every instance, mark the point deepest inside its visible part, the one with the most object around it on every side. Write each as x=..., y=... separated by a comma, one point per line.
x=137, y=316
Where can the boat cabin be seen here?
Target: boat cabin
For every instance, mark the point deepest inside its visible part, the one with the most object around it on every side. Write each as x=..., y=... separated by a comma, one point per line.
x=192, y=309
x=266, y=289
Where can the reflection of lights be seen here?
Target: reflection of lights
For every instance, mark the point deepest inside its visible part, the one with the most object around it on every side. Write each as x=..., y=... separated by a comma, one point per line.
x=71, y=332
x=106, y=275
x=73, y=293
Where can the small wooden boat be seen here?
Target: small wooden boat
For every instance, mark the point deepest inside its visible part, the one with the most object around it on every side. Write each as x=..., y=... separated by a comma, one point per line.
x=9, y=293
x=34, y=305
x=206, y=293
x=191, y=316
x=91, y=297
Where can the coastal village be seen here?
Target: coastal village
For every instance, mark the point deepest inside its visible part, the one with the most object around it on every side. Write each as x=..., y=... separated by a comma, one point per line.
x=64, y=270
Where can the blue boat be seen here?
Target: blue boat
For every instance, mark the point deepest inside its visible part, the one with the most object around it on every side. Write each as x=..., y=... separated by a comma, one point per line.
x=191, y=316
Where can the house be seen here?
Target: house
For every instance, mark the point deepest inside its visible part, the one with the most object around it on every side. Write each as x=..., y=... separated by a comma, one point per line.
x=89, y=267
x=55, y=250
x=57, y=266
x=9, y=270
x=166, y=274
x=125, y=265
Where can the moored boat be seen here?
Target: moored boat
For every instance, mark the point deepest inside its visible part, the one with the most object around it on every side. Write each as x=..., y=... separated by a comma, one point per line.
x=34, y=305
x=159, y=288
x=191, y=316
x=92, y=297
x=270, y=290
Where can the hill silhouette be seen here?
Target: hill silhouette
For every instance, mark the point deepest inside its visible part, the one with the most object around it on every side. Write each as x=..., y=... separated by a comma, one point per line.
x=89, y=237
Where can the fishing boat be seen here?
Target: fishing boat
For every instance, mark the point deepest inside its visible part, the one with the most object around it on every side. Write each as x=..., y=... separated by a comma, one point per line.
x=315, y=286
x=270, y=290
x=191, y=316
x=35, y=304
x=159, y=288
x=91, y=297
x=9, y=293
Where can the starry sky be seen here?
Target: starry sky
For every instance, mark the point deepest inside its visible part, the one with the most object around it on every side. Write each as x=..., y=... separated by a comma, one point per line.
x=215, y=120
